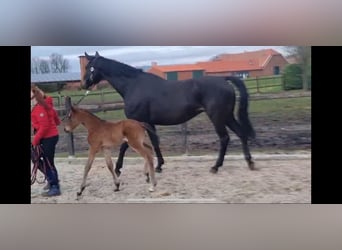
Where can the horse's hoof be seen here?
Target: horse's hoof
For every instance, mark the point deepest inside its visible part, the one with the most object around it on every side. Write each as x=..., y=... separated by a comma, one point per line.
x=213, y=170
x=251, y=166
x=159, y=170
x=117, y=172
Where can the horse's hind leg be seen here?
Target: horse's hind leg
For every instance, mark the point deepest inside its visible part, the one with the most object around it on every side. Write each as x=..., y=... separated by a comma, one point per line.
x=109, y=162
x=155, y=142
x=222, y=132
x=237, y=129
x=119, y=162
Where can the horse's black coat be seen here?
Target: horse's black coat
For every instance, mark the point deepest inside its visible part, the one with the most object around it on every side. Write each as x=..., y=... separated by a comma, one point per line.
x=156, y=101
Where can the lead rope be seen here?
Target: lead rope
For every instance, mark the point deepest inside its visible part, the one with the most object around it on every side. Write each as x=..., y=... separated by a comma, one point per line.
x=39, y=162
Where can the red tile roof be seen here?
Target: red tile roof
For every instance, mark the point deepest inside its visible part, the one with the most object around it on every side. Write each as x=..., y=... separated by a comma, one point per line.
x=178, y=67
x=246, y=61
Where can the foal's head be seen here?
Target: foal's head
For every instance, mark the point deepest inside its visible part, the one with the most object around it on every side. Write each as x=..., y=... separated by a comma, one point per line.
x=72, y=119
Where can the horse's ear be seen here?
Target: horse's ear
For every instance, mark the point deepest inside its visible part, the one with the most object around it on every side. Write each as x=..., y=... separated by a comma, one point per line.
x=88, y=56
x=97, y=54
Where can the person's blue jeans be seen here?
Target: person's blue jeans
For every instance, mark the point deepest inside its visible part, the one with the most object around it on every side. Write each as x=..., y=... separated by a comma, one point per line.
x=49, y=148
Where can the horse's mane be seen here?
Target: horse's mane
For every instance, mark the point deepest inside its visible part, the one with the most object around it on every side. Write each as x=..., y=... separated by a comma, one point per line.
x=120, y=69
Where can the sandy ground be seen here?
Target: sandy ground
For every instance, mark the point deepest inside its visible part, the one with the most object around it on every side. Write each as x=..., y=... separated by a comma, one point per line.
x=281, y=178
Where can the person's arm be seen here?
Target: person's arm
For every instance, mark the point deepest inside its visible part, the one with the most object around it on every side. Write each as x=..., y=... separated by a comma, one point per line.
x=43, y=120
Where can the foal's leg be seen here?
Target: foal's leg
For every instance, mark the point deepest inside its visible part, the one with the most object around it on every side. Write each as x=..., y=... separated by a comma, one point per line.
x=147, y=154
x=108, y=156
x=155, y=142
x=237, y=129
x=149, y=162
x=87, y=167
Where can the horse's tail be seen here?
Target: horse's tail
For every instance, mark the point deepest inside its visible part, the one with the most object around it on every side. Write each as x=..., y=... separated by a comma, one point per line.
x=243, y=106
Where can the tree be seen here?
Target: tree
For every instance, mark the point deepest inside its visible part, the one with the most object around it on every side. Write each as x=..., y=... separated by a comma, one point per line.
x=44, y=67
x=293, y=77
x=35, y=65
x=55, y=64
x=58, y=63
x=303, y=57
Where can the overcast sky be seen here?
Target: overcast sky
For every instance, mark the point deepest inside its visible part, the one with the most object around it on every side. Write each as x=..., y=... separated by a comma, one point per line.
x=143, y=55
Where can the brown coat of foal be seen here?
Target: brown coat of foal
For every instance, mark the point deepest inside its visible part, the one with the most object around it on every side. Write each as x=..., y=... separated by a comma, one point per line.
x=105, y=135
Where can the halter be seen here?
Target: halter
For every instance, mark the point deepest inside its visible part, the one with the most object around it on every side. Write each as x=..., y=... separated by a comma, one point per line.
x=85, y=94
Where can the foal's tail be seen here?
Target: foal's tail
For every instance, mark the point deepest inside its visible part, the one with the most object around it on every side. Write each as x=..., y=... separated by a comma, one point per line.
x=151, y=130
x=243, y=106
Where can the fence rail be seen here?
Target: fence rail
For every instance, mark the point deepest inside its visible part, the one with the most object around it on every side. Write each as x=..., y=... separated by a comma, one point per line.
x=182, y=138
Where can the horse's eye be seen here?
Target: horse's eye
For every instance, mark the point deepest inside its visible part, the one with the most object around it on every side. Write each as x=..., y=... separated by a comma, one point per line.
x=92, y=69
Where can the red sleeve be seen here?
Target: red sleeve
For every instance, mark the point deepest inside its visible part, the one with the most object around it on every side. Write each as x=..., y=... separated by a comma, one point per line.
x=49, y=101
x=56, y=118
x=43, y=120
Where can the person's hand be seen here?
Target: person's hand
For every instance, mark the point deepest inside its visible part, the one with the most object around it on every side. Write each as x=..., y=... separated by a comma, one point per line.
x=35, y=143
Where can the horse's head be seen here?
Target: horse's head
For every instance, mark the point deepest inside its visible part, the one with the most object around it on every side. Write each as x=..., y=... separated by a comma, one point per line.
x=71, y=120
x=92, y=74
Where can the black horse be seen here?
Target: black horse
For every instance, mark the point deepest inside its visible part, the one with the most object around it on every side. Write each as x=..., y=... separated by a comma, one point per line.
x=151, y=99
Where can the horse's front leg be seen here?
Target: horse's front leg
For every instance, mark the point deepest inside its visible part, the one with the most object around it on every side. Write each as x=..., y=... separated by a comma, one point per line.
x=155, y=142
x=119, y=162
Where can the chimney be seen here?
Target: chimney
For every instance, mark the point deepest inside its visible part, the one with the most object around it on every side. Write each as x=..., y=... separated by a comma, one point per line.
x=83, y=63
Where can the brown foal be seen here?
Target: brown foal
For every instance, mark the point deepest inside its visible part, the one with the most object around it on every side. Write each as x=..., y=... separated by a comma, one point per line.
x=105, y=135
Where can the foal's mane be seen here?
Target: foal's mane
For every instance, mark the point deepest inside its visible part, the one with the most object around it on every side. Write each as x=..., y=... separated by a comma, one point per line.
x=89, y=113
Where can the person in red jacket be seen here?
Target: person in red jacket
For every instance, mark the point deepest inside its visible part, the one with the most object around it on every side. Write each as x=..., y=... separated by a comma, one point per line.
x=44, y=120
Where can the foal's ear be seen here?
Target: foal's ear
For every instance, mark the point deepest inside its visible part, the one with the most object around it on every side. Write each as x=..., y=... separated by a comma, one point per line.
x=97, y=54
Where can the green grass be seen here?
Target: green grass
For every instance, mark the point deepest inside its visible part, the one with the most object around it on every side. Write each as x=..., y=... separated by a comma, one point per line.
x=279, y=106
x=269, y=84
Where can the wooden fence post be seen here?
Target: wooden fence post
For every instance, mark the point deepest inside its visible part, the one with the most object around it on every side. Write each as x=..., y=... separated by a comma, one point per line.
x=184, y=128
x=257, y=84
x=70, y=136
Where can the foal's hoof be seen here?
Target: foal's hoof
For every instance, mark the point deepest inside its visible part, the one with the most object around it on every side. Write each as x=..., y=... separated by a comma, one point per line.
x=147, y=179
x=117, y=187
x=159, y=169
x=213, y=170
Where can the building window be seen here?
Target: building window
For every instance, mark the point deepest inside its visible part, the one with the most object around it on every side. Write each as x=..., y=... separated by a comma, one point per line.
x=173, y=76
x=242, y=74
x=197, y=73
x=276, y=70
